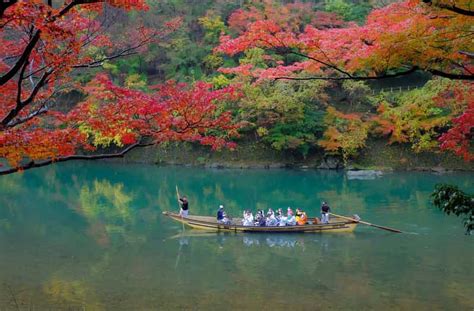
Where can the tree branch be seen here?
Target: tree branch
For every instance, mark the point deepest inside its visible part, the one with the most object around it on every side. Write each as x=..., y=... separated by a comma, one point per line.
x=452, y=8
x=29, y=48
x=451, y=76
x=322, y=63
x=33, y=164
x=23, y=58
x=74, y=3
x=15, y=122
x=98, y=63
x=5, y=5
x=22, y=104
x=350, y=77
x=470, y=54
x=20, y=83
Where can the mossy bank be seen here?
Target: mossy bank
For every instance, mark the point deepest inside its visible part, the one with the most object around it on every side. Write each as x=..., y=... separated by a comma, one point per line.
x=377, y=155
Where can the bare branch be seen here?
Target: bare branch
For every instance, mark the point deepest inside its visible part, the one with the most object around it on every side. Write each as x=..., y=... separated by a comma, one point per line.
x=39, y=111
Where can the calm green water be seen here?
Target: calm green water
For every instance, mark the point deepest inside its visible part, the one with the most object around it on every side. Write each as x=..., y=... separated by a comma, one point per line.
x=90, y=236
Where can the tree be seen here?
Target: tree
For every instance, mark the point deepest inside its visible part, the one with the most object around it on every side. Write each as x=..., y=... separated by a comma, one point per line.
x=421, y=116
x=127, y=118
x=459, y=138
x=345, y=133
x=42, y=45
x=450, y=199
x=396, y=40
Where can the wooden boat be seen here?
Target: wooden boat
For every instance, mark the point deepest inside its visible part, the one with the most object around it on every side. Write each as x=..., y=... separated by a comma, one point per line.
x=209, y=223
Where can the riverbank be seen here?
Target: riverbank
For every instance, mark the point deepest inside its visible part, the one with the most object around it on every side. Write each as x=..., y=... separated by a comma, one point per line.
x=376, y=156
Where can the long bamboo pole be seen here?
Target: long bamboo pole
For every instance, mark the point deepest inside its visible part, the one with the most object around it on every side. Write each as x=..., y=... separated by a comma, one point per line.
x=177, y=195
x=368, y=223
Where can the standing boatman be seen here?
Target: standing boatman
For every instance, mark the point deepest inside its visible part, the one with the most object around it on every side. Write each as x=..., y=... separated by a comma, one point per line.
x=183, y=211
x=220, y=214
x=325, y=213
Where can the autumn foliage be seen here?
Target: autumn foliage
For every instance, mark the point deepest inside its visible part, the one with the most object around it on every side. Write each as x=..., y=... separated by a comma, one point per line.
x=345, y=134
x=171, y=112
x=402, y=36
x=46, y=46
x=397, y=39
x=41, y=48
x=113, y=115
x=459, y=138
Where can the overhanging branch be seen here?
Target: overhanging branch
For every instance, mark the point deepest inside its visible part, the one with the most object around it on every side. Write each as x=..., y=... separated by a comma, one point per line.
x=5, y=5
x=452, y=8
x=451, y=76
x=350, y=77
x=33, y=164
x=22, y=60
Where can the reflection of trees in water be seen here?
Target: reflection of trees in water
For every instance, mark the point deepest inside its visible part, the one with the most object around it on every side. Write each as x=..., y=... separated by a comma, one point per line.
x=371, y=269
x=104, y=201
x=107, y=208
x=74, y=294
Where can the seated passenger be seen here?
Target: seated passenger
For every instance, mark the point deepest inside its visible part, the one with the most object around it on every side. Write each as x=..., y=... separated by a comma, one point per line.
x=302, y=219
x=279, y=213
x=298, y=214
x=290, y=218
x=260, y=219
x=278, y=216
x=248, y=219
x=271, y=220
x=225, y=220
x=281, y=218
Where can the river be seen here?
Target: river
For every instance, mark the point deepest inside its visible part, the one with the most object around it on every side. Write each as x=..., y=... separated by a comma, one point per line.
x=90, y=236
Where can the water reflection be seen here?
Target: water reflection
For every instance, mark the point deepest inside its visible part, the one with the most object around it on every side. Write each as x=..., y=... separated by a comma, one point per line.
x=364, y=175
x=258, y=240
x=107, y=209
x=91, y=236
x=73, y=293
x=273, y=241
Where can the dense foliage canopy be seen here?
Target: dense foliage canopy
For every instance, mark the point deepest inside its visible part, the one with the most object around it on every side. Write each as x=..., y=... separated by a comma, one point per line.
x=92, y=79
x=56, y=41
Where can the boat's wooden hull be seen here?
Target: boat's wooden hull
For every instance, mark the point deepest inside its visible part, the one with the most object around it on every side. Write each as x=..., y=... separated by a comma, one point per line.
x=210, y=224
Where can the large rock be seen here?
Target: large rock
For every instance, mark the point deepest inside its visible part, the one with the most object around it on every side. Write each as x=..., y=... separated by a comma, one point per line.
x=331, y=163
x=364, y=174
